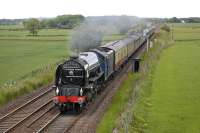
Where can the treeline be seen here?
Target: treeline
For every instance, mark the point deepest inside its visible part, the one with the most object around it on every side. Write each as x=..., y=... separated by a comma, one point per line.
x=174, y=20
x=63, y=21
x=10, y=21
x=183, y=20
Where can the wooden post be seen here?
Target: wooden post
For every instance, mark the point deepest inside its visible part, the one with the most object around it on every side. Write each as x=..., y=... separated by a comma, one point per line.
x=172, y=31
x=147, y=44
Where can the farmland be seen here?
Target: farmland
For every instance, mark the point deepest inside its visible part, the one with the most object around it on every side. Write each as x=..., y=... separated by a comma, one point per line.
x=186, y=32
x=175, y=90
x=21, y=54
x=21, y=57
x=28, y=62
x=170, y=101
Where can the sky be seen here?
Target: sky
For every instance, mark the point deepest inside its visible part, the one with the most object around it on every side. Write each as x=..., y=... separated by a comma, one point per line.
x=141, y=8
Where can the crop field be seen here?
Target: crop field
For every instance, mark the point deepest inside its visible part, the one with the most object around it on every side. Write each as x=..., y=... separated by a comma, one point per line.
x=21, y=57
x=21, y=54
x=11, y=27
x=186, y=32
x=174, y=96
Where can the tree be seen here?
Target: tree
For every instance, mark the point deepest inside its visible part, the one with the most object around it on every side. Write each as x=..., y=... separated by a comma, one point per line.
x=174, y=20
x=63, y=21
x=68, y=21
x=32, y=25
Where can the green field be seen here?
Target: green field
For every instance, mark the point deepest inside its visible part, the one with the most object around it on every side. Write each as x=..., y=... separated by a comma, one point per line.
x=20, y=53
x=19, y=58
x=186, y=32
x=29, y=62
x=11, y=27
x=175, y=93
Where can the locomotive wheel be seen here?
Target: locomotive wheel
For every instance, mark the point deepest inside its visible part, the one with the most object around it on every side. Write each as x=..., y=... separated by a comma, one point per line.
x=100, y=88
x=78, y=109
x=89, y=97
x=94, y=94
x=62, y=109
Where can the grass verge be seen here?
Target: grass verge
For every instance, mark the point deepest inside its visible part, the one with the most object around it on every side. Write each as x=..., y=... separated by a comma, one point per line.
x=122, y=96
x=28, y=83
x=142, y=102
x=175, y=91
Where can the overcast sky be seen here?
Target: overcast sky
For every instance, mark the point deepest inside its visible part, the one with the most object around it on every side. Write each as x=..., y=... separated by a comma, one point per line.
x=141, y=8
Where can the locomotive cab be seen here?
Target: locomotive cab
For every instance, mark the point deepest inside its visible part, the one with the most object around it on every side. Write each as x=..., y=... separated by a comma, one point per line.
x=70, y=77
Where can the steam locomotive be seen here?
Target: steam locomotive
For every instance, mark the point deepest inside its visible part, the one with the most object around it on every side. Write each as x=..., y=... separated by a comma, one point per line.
x=79, y=79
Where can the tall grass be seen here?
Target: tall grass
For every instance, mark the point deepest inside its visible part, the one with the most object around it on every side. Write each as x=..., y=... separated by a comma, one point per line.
x=108, y=121
x=141, y=103
x=28, y=83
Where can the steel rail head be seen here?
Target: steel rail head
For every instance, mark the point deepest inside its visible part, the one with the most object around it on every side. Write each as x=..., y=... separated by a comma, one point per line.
x=41, y=115
x=48, y=123
x=25, y=104
x=12, y=127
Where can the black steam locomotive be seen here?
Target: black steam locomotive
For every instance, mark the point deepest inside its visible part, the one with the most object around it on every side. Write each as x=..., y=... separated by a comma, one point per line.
x=80, y=78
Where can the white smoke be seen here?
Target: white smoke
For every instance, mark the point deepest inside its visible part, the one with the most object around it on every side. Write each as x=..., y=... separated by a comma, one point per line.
x=90, y=33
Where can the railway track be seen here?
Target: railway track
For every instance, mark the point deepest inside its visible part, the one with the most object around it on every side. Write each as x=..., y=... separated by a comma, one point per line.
x=61, y=123
x=64, y=123
x=86, y=121
x=52, y=121
x=89, y=122
x=41, y=122
x=40, y=115
x=18, y=116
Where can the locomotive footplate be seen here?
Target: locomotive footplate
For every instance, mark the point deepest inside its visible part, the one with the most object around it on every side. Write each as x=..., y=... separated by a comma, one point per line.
x=66, y=103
